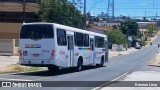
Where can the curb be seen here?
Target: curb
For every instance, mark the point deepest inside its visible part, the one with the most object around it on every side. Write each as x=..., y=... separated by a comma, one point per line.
x=110, y=82
x=6, y=54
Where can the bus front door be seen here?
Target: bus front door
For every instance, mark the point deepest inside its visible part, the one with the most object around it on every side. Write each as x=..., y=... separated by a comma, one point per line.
x=70, y=50
x=92, y=51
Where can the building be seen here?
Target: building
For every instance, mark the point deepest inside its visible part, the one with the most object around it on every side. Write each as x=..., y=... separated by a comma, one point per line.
x=116, y=24
x=142, y=25
x=12, y=16
x=99, y=29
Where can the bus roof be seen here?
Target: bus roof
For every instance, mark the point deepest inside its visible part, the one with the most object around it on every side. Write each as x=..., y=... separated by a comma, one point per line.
x=68, y=28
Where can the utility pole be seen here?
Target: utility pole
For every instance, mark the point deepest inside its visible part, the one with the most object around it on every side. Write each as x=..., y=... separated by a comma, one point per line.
x=84, y=16
x=127, y=32
x=24, y=10
x=127, y=36
x=110, y=10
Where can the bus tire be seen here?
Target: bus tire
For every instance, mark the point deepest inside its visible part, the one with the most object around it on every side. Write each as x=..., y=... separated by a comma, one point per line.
x=79, y=64
x=53, y=68
x=101, y=63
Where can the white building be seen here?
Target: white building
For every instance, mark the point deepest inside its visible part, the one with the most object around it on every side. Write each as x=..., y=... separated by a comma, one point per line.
x=108, y=24
x=142, y=25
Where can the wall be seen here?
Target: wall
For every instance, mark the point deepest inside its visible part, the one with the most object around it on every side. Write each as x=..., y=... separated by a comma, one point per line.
x=9, y=30
x=108, y=24
x=142, y=25
x=8, y=46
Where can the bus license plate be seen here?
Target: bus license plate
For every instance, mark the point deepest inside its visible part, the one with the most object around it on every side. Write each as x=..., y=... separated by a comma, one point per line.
x=35, y=55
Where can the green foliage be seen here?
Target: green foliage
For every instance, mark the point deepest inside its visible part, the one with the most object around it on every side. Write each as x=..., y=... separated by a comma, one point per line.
x=60, y=11
x=144, y=43
x=132, y=28
x=116, y=37
x=151, y=28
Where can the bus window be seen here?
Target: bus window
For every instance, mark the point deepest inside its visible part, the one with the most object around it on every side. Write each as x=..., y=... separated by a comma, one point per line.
x=75, y=41
x=37, y=31
x=61, y=37
x=99, y=42
x=79, y=39
x=86, y=40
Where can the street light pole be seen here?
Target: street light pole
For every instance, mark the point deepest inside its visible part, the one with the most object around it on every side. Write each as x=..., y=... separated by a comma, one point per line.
x=84, y=16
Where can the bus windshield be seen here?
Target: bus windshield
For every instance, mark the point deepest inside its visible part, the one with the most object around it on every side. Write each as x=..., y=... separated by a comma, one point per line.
x=36, y=31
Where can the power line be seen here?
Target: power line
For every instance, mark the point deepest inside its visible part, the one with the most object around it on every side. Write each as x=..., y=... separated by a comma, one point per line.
x=130, y=8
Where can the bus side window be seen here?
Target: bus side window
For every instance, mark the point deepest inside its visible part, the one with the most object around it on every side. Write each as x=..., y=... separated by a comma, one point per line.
x=91, y=44
x=86, y=40
x=79, y=39
x=75, y=41
x=99, y=42
x=61, y=37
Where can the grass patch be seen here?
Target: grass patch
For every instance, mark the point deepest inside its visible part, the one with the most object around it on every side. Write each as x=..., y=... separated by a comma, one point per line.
x=19, y=68
x=34, y=69
x=119, y=54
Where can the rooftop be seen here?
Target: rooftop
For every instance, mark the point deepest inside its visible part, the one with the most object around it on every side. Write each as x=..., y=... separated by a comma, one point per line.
x=101, y=27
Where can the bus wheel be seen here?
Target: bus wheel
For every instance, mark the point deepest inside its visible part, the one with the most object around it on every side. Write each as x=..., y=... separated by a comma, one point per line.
x=79, y=65
x=101, y=63
x=53, y=68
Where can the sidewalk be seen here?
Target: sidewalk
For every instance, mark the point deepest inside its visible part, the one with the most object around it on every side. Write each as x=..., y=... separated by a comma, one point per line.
x=123, y=52
x=155, y=61
x=8, y=60
x=152, y=39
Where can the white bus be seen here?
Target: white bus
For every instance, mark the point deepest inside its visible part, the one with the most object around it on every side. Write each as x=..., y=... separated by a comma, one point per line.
x=57, y=46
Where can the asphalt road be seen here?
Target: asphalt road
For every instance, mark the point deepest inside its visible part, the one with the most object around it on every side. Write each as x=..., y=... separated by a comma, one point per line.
x=116, y=67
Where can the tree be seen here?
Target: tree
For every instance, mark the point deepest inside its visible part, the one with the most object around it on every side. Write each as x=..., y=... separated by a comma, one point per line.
x=116, y=37
x=131, y=27
x=60, y=11
x=151, y=28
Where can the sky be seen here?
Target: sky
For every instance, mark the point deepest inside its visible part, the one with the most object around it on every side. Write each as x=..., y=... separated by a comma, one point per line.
x=125, y=7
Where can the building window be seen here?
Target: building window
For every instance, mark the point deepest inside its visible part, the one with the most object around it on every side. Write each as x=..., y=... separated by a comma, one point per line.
x=61, y=37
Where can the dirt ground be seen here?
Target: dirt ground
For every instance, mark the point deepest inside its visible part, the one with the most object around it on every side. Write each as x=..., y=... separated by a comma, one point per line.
x=155, y=61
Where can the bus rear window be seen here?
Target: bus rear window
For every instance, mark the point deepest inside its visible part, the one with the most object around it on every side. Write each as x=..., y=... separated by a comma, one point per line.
x=36, y=31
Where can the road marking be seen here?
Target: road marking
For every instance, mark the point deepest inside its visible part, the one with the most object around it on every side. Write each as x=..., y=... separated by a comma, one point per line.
x=14, y=79
x=42, y=78
x=98, y=88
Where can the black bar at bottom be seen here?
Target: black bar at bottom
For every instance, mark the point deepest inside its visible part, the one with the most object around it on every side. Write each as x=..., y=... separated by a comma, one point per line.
x=79, y=83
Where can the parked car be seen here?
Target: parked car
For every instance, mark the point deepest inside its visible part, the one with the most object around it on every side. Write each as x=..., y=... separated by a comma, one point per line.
x=138, y=46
